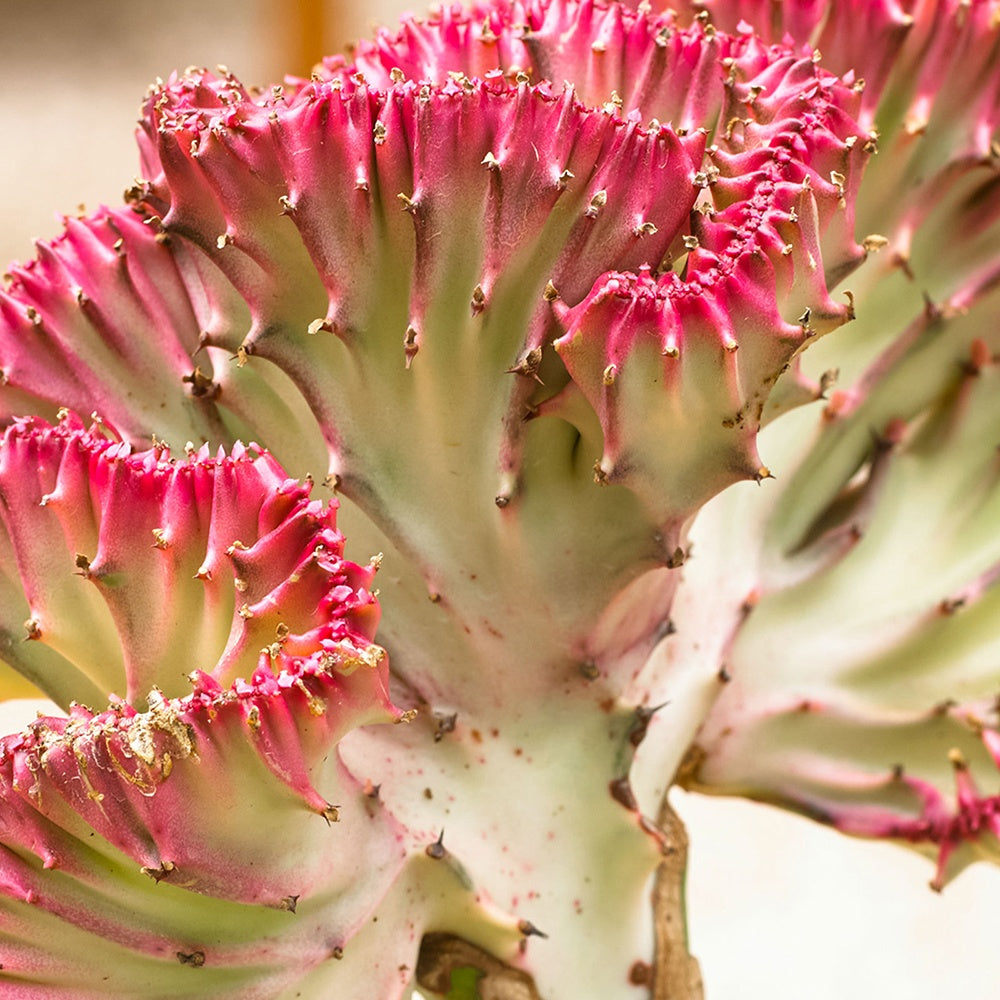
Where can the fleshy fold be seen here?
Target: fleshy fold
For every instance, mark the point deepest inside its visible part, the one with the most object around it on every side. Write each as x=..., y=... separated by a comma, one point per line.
x=233, y=792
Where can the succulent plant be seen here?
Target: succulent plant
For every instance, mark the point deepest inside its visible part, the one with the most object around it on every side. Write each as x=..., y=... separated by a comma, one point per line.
x=539, y=348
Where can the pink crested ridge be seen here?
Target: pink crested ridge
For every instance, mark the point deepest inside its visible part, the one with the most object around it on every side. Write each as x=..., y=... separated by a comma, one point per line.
x=957, y=831
x=168, y=786
x=859, y=39
x=104, y=306
x=743, y=198
x=513, y=152
x=928, y=53
x=776, y=203
x=223, y=568
x=930, y=90
x=137, y=567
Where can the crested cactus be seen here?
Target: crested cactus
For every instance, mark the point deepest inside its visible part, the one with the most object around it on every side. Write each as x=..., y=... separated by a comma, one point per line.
x=647, y=363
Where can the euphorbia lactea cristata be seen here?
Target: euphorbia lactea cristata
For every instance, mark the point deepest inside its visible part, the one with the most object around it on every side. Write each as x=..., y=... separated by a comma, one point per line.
x=523, y=284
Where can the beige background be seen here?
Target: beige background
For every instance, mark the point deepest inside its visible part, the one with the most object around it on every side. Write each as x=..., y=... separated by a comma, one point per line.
x=781, y=909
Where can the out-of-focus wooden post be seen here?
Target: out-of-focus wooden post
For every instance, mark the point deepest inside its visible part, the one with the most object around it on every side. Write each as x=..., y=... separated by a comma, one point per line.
x=306, y=30
x=311, y=31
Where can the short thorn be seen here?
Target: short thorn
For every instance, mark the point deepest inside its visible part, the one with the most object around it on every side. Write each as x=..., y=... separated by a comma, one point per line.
x=445, y=724
x=436, y=850
x=528, y=929
x=677, y=558
x=621, y=792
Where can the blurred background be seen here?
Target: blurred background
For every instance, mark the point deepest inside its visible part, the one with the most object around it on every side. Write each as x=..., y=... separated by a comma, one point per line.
x=781, y=909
